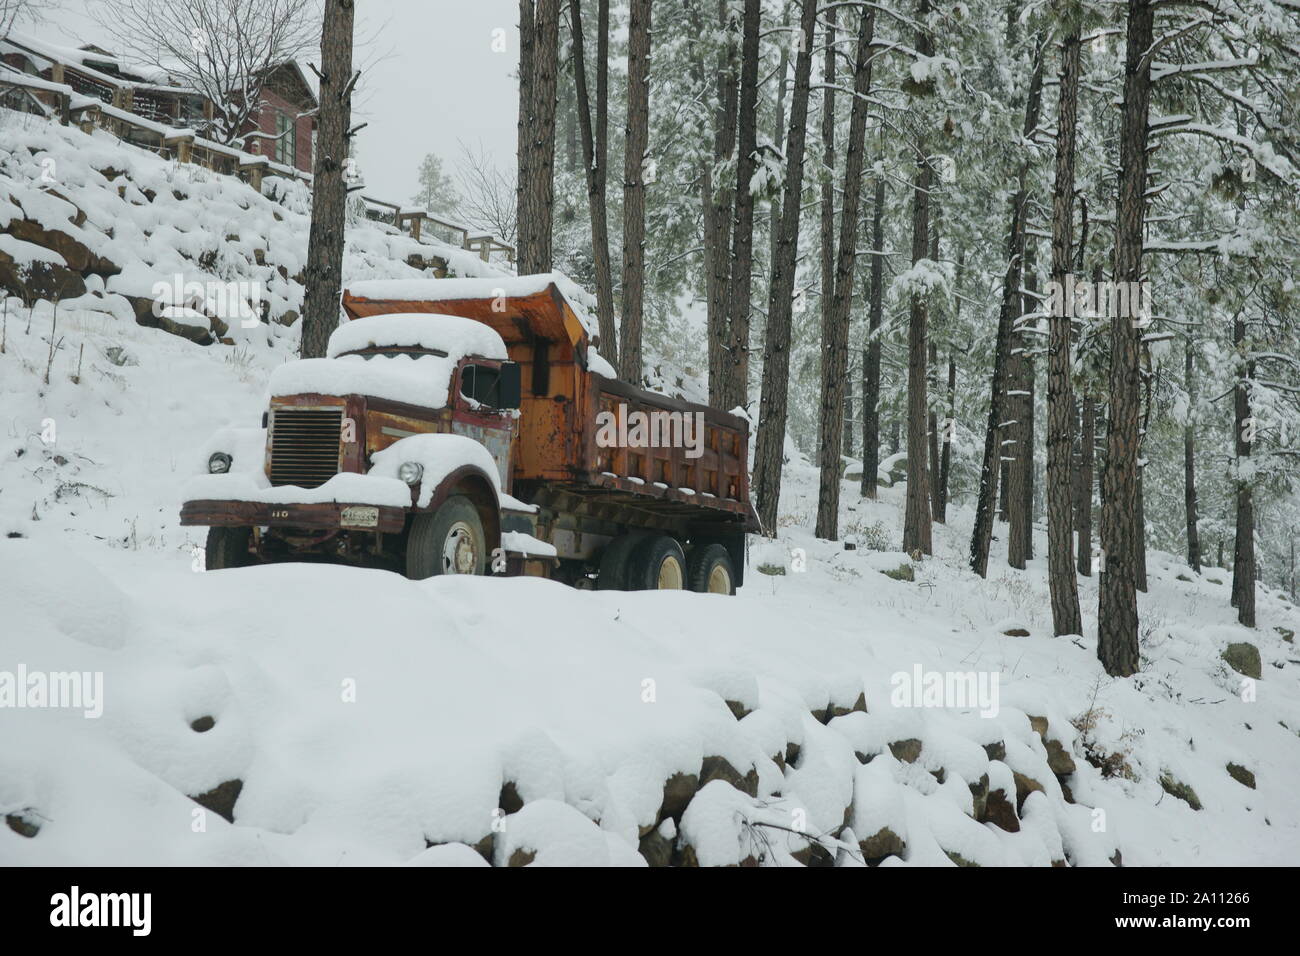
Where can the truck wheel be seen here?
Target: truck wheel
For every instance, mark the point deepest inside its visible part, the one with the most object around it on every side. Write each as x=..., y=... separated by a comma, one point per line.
x=614, y=563
x=449, y=541
x=227, y=548
x=658, y=564
x=709, y=570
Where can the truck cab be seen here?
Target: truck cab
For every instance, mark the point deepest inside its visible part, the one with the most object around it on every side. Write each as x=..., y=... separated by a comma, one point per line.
x=405, y=414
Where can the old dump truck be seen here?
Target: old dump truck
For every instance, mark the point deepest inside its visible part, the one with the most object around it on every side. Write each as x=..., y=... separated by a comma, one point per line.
x=468, y=426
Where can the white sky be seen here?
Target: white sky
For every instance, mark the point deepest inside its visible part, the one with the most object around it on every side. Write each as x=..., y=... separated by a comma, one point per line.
x=432, y=80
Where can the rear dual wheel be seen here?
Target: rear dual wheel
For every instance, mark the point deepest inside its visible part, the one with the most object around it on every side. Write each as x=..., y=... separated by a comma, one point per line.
x=641, y=561
x=710, y=571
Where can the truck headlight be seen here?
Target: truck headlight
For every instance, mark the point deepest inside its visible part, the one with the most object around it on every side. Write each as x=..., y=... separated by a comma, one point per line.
x=219, y=463
x=411, y=472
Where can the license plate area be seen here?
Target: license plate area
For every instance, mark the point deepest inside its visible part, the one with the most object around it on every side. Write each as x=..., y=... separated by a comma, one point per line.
x=359, y=516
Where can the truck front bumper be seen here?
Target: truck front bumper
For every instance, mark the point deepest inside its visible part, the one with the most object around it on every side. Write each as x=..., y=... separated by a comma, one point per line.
x=320, y=516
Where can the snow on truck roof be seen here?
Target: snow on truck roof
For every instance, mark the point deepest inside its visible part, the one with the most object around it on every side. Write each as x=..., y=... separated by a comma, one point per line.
x=446, y=333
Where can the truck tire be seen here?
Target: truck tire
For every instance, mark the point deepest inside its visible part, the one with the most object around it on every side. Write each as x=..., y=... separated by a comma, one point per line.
x=709, y=570
x=658, y=564
x=449, y=541
x=615, y=561
x=227, y=548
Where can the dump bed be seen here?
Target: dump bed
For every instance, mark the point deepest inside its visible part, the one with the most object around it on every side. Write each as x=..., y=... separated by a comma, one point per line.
x=578, y=429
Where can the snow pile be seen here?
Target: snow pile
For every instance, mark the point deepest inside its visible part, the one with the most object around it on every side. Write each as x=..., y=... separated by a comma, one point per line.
x=416, y=379
x=452, y=334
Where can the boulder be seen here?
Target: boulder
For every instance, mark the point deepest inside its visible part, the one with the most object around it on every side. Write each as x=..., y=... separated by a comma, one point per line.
x=23, y=822
x=1176, y=788
x=996, y=750
x=1024, y=787
x=1059, y=760
x=859, y=706
x=718, y=768
x=75, y=252
x=509, y=800
x=657, y=845
x=221, y=799
x=1241, y=775
x=1243, y=658
x=678, y=790
x=904, y=572
x=1001, y=812
x=906, y=751
x=884, y=843
x=738, y=710
x=979, y=792
x=39, y=280
x=187, y=327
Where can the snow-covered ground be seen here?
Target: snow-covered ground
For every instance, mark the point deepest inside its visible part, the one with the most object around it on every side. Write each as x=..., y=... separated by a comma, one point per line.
x=371, y=719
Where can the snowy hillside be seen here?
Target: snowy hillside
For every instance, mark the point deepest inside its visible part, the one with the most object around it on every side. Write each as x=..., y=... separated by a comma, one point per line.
x=86, y=215
x=343, y=716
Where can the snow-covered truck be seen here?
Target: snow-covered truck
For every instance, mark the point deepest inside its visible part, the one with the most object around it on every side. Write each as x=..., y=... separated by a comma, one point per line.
x=469, y=426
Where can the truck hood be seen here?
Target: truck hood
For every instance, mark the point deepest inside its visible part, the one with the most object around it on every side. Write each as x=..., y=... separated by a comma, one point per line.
x=423, y=380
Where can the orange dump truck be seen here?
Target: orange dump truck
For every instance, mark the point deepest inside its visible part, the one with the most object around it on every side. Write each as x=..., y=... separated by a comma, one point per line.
x=469, y=426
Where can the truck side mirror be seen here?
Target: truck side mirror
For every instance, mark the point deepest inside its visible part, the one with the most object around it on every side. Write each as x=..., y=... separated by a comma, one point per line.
x=509, y=385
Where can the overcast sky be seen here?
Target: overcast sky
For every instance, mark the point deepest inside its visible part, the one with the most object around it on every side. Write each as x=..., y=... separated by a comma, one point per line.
x=433, y=80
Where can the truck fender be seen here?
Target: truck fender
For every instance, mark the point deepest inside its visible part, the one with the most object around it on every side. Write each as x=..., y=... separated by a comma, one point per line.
x=476, y=485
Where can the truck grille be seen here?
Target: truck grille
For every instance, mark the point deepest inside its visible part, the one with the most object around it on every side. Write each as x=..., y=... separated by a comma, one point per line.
x=305, y=445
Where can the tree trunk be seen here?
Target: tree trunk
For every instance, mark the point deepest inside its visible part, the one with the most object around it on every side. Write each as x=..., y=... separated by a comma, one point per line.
x=774, y=399
x=329, y=191
x=849, y=421
x=827, y=178
x=1117, y=643
x=594, y=152
x=736, y=368
x=1243, y=549
x=916, y=516
x=1017, y=445
x=949, y=427
x=932, y=387
x=778, y=130
x=539, y=23
x=990, y=469
x=1189, y=458
x=835, y=333
x=871, y=354
x=638, y=135
x=718, y=211
x=1140, y=519
x=1083, y=500
x=1066, y=617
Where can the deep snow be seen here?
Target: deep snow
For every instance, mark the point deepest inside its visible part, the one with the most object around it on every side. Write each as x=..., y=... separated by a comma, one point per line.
x=368, y=715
